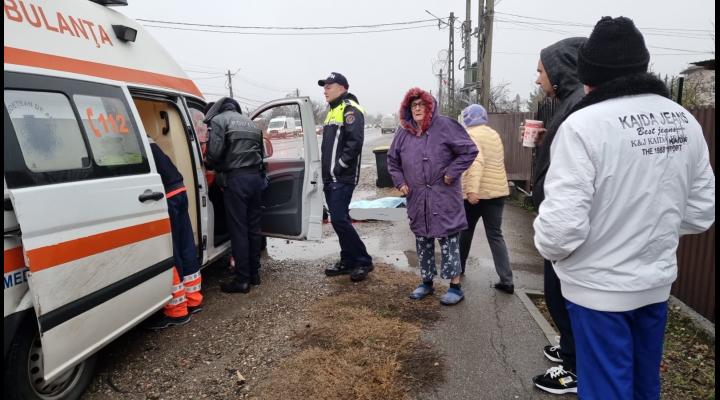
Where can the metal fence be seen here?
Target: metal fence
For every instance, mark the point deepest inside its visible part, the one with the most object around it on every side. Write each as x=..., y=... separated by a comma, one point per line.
x=695, y=284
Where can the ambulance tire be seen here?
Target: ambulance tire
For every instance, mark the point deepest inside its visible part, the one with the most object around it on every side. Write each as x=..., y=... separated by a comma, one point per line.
x=21, y=364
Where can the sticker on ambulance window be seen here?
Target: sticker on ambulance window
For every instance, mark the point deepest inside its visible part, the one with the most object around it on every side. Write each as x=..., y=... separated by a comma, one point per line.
x=48, y=133
x=112, y=137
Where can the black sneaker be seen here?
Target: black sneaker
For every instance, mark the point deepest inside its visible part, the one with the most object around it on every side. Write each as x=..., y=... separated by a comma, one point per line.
x=162, y=321
x=195, y=309
x=340, y=268
x=552, y=353
x=360, y=273
x=557, y=381
x=504, y=287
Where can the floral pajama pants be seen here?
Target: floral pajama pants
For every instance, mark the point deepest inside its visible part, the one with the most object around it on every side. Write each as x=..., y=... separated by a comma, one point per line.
x=450, y=263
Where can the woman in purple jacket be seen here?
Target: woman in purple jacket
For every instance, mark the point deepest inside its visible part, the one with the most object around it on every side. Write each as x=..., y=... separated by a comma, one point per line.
x=426, y=160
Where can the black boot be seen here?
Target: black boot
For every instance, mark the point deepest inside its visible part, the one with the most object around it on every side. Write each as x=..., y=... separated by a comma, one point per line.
x=360, y=273
x=340, y=268
x=235, y=287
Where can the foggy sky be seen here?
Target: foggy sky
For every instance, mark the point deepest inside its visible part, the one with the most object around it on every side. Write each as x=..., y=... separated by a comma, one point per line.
x=381, y=67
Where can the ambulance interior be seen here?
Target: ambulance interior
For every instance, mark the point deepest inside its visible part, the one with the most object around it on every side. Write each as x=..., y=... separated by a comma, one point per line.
x=164, y=124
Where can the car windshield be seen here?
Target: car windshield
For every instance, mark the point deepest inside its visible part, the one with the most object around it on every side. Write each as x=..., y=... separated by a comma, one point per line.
x=276, y=124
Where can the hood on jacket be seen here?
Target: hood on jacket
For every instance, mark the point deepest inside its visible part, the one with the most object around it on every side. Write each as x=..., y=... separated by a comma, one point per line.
x=473, y=115
x=406, y=119
x=560, y=63
x=224, y=104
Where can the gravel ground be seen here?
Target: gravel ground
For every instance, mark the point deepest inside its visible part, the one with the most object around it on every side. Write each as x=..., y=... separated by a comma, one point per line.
x=245, y=334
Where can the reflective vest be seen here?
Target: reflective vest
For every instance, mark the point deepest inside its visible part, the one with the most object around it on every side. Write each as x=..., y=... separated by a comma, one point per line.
x=336, y=115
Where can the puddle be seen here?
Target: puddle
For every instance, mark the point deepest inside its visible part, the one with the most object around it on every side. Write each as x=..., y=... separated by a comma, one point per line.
x=381, y=249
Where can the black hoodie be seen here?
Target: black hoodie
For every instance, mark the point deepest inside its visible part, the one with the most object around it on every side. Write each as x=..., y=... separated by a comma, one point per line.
x=235, y=142
x=560, y=63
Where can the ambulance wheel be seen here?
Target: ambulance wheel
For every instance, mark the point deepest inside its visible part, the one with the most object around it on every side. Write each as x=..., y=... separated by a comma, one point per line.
x=23, y=367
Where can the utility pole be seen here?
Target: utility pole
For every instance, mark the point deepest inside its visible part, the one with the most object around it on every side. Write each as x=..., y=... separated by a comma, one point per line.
x=451, y=65
x=230, y=83
x=297, y=92
x=440, y=76
x=480, y=40
x=487, y=56
x=466, y=46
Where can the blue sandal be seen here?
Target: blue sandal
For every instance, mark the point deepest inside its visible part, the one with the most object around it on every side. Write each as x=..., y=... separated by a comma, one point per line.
x=421, y=292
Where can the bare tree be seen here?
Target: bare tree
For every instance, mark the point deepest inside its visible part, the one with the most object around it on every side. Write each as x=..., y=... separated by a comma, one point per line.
x=536, y=97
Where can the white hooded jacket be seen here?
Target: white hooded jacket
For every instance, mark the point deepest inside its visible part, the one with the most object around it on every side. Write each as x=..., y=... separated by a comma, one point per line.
x=628, y=176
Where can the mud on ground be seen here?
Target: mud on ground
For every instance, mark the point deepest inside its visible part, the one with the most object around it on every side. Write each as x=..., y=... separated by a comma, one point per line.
x=300, y=335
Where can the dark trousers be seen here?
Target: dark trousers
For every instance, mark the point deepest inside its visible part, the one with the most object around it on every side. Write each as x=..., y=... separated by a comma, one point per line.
x=557, y=306
x=352, y=248
x=491, y=213
x=243, y=202
x=619, y=352
x=184, y=252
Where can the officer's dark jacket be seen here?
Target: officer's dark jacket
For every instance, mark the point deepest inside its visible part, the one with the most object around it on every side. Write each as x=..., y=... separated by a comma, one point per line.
x=342, y=142
x=235, y=141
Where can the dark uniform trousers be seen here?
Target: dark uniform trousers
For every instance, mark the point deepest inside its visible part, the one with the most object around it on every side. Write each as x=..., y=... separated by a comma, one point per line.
x=243, y=202
x=352, y=249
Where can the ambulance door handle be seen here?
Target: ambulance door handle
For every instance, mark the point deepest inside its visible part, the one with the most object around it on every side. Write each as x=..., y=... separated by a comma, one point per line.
x=149, y=195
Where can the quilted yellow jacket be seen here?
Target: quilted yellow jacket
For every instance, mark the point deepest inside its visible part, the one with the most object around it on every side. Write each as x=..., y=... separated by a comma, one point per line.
x=486, y=176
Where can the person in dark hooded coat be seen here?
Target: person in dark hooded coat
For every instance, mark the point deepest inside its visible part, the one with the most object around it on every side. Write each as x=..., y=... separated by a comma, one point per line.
x=558, y=78
x=426, y=160
x=235, y=151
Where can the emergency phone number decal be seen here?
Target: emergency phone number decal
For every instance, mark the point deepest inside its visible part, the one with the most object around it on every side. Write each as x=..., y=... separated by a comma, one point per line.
x=109, y=122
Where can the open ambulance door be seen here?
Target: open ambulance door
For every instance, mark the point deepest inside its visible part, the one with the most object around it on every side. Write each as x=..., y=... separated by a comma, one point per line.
x=292, y=204
x=95, y=230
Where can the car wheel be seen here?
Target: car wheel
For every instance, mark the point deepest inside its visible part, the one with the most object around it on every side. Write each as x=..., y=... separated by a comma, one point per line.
x=23, y=367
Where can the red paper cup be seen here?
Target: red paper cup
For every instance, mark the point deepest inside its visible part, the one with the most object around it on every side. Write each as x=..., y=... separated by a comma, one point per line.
x=531, y=132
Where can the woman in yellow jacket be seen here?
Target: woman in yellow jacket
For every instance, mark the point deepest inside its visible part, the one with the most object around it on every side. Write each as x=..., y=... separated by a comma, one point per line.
x=485, y=187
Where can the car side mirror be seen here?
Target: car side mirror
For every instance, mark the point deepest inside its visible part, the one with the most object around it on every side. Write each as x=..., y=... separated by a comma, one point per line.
x=267, y=147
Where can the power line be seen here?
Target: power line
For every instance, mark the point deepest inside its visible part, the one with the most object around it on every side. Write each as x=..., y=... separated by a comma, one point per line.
x=288, y=34
x=540, y=27
x=289, y=27
x=592, y=25
x=196, y=78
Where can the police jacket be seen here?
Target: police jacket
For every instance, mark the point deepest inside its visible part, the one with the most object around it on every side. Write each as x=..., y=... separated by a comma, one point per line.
x=235, y=142
x=342, y=142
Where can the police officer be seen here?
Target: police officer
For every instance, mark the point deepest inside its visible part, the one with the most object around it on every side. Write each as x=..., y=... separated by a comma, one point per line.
x=235, y=151
x=343, y=136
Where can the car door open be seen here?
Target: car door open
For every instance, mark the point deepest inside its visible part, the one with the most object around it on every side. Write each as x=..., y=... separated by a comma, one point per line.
x=292, y=203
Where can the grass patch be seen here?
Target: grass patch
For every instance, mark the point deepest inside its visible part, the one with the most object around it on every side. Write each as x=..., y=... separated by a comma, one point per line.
x=363, y=342
x=688, y=366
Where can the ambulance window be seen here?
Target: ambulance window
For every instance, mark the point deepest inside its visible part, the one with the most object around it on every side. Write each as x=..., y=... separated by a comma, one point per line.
x=47, y=131
x=112, y=135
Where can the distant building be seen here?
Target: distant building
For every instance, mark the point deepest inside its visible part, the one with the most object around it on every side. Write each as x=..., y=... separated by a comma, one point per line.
x=700, y=81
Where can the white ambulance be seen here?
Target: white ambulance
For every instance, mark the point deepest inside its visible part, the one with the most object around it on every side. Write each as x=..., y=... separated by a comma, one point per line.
x=87, y=242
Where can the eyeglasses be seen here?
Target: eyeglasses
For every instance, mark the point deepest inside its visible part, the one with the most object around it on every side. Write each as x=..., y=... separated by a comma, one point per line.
x=417, y=104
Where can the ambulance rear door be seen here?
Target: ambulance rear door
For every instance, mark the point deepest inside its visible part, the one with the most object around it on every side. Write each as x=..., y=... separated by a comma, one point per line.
x=91, y=208
x=292, y=204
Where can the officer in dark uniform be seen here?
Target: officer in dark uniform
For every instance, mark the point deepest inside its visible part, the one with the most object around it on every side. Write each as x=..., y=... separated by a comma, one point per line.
x=343, y=136
x=235, y=151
